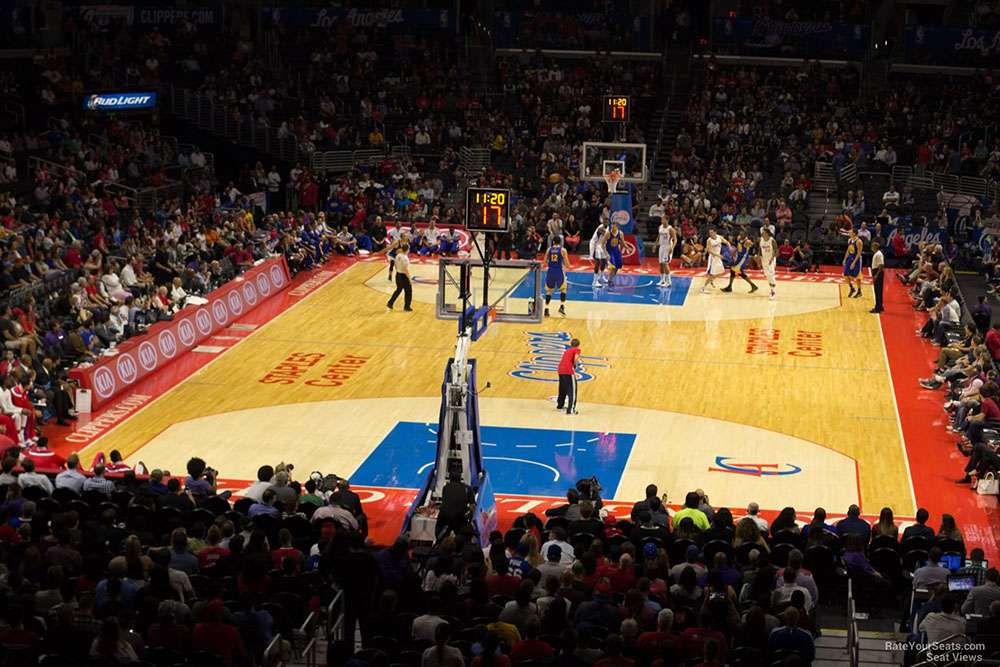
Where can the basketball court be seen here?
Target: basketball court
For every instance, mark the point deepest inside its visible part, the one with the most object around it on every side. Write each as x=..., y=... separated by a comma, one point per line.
x=746, y=398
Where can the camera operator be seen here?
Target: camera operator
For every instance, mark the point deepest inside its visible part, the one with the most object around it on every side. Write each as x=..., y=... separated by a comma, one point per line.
x=200, y=482
x=590, y=489
x=457, y=500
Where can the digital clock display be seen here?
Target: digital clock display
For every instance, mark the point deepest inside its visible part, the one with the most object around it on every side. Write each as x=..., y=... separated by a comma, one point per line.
x=617, y=108
x=487, y=209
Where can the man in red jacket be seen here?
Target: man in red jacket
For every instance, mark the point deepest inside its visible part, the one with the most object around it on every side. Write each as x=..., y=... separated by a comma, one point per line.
x=992, y=341
x=567, y=377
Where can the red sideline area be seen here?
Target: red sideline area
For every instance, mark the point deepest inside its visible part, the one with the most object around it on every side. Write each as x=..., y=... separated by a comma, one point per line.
x=934, y=461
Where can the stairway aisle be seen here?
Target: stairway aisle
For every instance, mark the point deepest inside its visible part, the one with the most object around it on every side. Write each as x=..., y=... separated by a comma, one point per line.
x=831, y=649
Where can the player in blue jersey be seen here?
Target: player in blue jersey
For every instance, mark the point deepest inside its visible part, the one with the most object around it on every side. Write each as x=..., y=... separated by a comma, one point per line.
x=613, y=242
x=556, y=263
x=852, y=264
x=738, y=266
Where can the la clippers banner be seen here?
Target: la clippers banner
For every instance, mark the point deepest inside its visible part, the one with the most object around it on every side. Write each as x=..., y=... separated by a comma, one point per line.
x=537, y=27
x=952, y=46
x=803, y=38
x=914, y=235
x=164, y=17
x=165, y=341
x=331, y=17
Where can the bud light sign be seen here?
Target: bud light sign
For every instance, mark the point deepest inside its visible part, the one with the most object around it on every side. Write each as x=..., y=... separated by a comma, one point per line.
x=119, y=101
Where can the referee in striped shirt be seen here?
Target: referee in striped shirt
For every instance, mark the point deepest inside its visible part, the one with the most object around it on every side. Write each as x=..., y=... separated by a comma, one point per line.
x=403, y=286
x=878, y=276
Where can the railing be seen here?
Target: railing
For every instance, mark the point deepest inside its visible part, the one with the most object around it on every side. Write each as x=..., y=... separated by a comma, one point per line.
x=473, y=160
x=302, y=635
x=15, y=109
x=309, y=654
x=148, y=198
x=272, y=654
x=900, y=174
x=130, y=193
x=187, y=149
x=853, y=641
x=973, y=186
x=35, y=162
x=335, y=617
x=849, y=173
x=206, y=114
x=660, y=131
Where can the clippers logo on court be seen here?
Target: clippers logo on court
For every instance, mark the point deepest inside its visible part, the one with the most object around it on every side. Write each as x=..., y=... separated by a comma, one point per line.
x=127, y=370
x=219, y=311
x=104, y=382
x=235, y=305
x=547, y=348
x=167, y=343
x=754, y=469
x=204, y=321
x=147, y=355
x=185, y=331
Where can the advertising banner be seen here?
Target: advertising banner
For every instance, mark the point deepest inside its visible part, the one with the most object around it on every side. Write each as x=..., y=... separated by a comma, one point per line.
x=331, y=17
x=147, y=17
x=816, y=39
x=177, y=16
x=119, y=101
x=164, y=341
x=105, y=15
x=952, y=46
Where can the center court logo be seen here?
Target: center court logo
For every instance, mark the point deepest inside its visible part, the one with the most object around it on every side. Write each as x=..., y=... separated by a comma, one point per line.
x=547, y=348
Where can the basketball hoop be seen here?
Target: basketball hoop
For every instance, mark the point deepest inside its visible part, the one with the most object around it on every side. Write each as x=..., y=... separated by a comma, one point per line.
x=611, y=179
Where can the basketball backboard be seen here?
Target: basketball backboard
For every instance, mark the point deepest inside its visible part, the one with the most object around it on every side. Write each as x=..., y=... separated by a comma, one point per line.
x=600, y=158
x=512, y=291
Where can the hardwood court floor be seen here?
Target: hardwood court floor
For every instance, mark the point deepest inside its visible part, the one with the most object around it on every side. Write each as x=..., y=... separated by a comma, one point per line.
x=713, y=388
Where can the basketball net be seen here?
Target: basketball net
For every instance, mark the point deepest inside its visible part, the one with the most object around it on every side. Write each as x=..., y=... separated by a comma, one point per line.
x=612, y=179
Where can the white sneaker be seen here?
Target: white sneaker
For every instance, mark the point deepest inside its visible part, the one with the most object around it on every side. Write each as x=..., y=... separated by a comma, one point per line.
x=773, y=296
x=661, y=284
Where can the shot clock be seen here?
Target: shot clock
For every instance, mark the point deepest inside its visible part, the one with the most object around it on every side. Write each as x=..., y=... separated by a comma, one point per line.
x=617, y=108
x=487, y=209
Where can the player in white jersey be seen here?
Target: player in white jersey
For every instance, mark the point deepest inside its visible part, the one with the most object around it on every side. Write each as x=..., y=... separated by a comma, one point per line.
x=768, y=257
x=715, y=266
x=666, y=240
x=598, y=253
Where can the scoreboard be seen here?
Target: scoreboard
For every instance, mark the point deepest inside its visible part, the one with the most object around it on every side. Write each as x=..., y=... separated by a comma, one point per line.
x=617, y=108
x=487, y=209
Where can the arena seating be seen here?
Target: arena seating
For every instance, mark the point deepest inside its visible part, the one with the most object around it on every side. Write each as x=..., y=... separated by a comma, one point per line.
x=99, y=220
